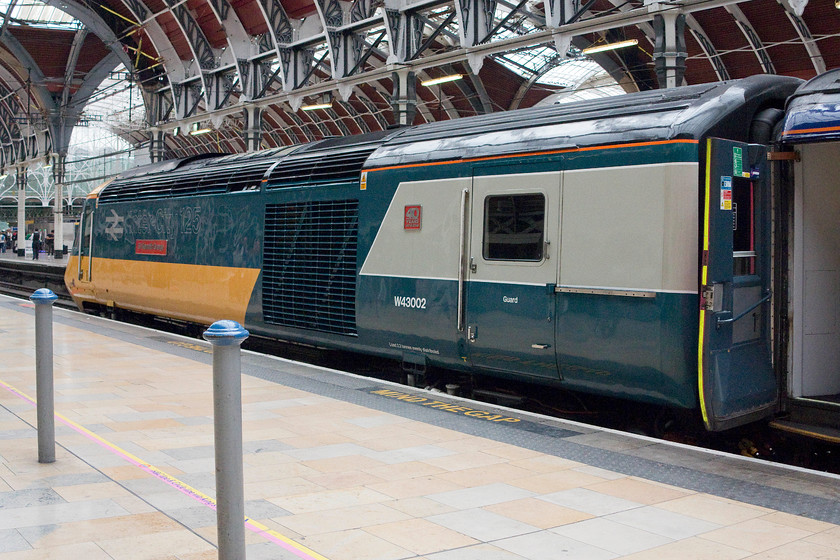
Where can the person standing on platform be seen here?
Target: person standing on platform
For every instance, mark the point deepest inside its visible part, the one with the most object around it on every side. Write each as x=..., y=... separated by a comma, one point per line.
x=3, y=242
x=50, y=243
x=36, y=245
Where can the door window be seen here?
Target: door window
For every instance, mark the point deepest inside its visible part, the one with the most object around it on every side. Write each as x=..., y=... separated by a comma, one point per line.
x=743, y=227
x=514, y=227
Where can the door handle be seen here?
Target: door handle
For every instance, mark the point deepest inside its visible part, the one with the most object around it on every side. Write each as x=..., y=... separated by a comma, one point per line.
x=540, y=346
x=471, y=333
x=743, y=313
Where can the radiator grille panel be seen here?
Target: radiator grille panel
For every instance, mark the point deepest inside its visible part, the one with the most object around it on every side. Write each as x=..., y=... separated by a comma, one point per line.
x=309, y=266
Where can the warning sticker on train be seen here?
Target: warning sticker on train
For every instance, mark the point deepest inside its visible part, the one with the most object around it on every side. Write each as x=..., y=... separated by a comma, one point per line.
x=726, y=193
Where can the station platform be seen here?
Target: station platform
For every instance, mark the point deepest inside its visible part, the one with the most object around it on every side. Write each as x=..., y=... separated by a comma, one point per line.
x=343, y=467
x=43, y=259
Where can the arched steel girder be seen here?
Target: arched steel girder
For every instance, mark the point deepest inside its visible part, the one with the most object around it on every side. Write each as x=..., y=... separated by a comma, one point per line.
x=236, y=56
x=60, y=113
x=357, y=118
x=13, y=92
x=145, y=19
x=752, y=38
x=95, y=24
x=10, y=133
x=301, y=126
x=33, y=131
x=477, y=96
x=26, y=66
x=72, y=60
x=341, y=25
x=707, y=47
x=348, y=34
x=805, y=36
x=271, y=128
x=63, y=121
x=369, y=104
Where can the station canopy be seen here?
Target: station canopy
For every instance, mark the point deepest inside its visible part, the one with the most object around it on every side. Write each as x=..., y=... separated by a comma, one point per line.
x=196, y=75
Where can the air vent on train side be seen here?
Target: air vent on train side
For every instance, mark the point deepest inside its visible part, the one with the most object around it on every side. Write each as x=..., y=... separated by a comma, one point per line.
x=320, y=167
x=226, y=174
x=309, y=265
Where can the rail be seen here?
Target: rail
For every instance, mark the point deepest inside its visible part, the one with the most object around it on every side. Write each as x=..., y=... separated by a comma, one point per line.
x=21, y=278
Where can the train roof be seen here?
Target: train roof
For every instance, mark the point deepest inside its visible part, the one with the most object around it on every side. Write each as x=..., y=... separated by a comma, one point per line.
x=813, y=111
x=724, y=109
x=325, y=161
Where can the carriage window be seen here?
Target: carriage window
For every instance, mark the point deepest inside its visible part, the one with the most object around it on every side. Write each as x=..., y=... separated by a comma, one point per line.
x=514, y=227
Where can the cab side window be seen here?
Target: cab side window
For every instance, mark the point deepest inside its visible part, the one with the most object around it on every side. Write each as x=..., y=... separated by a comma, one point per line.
x=514, y=227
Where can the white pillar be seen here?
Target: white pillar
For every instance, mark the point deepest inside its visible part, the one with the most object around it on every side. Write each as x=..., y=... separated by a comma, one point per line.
x=58, y=218
x=21, y=211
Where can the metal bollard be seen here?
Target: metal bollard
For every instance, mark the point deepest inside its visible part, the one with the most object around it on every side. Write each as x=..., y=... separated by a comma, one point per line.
x=226, y=336
x=43, y=300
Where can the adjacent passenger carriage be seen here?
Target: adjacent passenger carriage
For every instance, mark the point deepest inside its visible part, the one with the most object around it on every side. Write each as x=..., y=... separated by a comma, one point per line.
x=618, y=247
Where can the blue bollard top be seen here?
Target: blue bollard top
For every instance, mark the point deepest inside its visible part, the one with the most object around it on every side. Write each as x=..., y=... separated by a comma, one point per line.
x=42, y=296
x=225, y=333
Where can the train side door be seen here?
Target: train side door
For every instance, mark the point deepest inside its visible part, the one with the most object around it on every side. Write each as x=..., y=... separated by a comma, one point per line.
x=86, y=243
x=512, y=272
x=737, y=383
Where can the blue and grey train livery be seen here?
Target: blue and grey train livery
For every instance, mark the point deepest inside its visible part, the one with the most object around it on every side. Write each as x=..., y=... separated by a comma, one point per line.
x=619, y=247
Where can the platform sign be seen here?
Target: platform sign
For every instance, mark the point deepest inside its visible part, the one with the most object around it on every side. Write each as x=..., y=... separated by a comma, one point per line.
x=413, y=216
x=726, y=193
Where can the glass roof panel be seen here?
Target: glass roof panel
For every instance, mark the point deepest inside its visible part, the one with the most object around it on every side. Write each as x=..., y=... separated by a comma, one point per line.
x=98, y=149
x=34, y=13
x=545, y=63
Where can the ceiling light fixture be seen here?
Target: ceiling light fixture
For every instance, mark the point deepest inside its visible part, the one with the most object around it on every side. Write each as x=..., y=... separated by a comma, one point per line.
x=195, y=130
x=442, y=80
x=613, y=46
x=316, y=106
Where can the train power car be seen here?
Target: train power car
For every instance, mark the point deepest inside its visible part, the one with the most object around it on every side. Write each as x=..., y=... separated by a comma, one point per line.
x=619, y=247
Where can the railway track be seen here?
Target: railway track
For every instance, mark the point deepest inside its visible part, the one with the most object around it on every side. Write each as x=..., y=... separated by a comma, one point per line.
x=21, y=278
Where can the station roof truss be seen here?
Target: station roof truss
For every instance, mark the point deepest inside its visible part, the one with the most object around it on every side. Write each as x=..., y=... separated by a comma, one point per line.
x=217, y=64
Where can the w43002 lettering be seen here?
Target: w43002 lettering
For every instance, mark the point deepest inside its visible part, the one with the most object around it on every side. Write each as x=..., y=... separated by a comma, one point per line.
x=411, y=302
